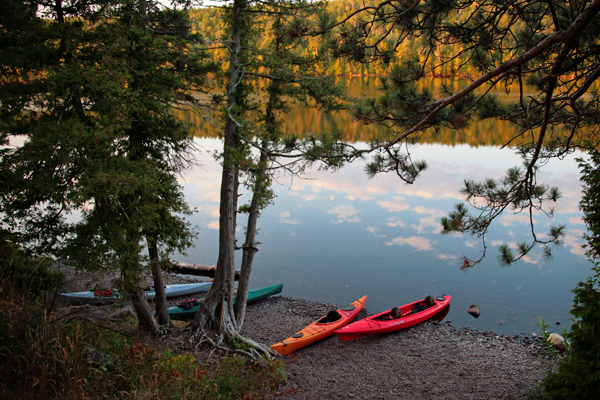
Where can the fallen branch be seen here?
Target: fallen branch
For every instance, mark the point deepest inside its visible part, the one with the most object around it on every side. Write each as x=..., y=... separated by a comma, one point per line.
x=89, y=320
x=76, y=311
x=196, y=269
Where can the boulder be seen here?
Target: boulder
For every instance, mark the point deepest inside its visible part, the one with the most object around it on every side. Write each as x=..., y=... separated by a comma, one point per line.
x=557, y=341
x=474, y=310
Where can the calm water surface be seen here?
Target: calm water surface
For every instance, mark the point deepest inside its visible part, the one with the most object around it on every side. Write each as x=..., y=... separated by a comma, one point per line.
x=334, y=237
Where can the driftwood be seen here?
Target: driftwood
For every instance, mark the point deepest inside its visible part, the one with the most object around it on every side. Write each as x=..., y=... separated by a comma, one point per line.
x=195, y=269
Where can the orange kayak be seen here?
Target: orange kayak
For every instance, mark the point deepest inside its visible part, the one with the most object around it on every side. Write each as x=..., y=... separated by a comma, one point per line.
x=321, y=328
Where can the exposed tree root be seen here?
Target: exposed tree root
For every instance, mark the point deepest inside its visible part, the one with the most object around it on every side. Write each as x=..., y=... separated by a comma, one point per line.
x=158, y=330
x=254, y=351
x=268, y=352
x=163, y=330
x=127, y=310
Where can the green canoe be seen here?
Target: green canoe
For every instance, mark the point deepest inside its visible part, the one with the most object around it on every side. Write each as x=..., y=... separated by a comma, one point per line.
x=253, y=295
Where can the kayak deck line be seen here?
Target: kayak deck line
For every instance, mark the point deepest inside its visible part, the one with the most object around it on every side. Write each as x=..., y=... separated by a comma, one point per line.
x=321, y=328
x=385, y=322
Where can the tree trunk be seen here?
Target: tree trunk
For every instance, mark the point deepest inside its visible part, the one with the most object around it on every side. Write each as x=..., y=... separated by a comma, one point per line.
x=143, y=312
x=261, y=183
x=250, y=247
x=160, y=300
x=140, y=304
x=216, y=313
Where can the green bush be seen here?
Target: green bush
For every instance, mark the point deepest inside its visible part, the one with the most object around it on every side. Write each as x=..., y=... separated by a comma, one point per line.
x=66, y=356
x=590, y=202
x=21, y=272
x=578, y=373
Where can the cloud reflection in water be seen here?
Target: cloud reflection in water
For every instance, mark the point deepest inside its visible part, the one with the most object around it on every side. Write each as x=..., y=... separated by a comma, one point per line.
x=335, y=236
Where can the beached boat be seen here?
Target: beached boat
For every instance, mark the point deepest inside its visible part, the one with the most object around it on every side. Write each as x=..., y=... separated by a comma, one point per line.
x=321, y=328
x=182, y=289
x=395, y=319
x=187, y=309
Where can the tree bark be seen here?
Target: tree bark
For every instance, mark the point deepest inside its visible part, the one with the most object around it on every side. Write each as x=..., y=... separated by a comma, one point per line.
x=142, y=310
x=250, y=247
x=216, y=313
x=160, y=300
x=140, y=304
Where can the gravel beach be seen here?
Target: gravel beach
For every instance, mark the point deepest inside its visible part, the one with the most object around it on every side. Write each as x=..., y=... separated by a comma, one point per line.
x=432, y=360
x=428, y=361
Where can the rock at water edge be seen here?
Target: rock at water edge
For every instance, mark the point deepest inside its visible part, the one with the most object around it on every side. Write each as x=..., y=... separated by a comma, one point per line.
x=474, y=310
x=557, y=341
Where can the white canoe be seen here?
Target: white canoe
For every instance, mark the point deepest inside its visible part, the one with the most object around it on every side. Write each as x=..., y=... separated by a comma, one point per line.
x=170, y=291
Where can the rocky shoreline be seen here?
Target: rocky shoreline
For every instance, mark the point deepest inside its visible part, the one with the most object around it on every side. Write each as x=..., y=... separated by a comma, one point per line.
x=429, y=361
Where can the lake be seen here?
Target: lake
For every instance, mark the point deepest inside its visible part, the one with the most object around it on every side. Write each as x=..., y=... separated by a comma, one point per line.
x=335, y=237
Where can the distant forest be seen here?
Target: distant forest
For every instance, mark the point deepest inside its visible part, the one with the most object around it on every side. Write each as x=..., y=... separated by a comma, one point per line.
x=445, y=61
x=208, y=23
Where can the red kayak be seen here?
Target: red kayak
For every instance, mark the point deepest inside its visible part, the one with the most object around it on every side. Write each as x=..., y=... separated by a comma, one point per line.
x=395, y=319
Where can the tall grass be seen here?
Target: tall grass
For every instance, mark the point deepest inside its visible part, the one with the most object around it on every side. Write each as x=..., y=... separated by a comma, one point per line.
x=43, y=356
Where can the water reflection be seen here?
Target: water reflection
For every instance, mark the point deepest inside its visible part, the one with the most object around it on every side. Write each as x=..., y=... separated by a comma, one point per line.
x=301, y=121
x=439, y=317
x=334, y=237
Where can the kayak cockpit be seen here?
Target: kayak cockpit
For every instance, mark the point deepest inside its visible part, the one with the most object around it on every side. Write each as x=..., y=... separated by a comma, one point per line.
x=331, y=316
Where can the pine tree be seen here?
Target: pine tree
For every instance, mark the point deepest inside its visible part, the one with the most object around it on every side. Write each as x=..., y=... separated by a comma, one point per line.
x=551, y=46
x=263, y=80
x=90, y=87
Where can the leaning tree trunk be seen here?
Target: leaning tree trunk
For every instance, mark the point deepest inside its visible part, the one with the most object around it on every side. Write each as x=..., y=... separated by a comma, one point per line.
x=250, y=247
x=160, y=299
x=143, y=312
x=261, y=185
x=140, y=304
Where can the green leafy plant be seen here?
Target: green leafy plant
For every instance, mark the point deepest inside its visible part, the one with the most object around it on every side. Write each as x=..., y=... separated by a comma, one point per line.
x=577, y=375
x=590, y=179
x=554, y=352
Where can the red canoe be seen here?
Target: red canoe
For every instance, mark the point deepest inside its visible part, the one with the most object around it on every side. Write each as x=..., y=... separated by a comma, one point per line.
x=384, y=322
